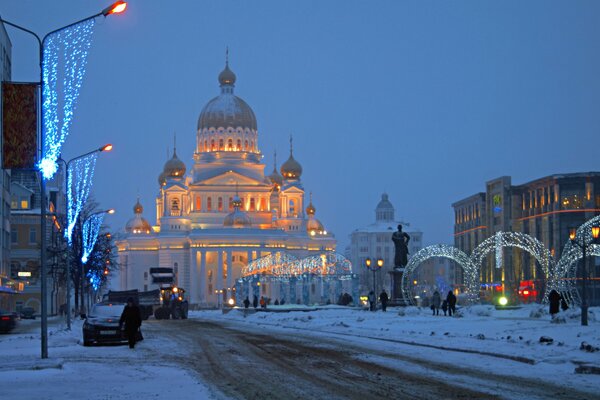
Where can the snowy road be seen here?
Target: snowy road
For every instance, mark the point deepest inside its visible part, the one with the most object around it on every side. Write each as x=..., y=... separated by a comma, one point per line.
x=247, y=362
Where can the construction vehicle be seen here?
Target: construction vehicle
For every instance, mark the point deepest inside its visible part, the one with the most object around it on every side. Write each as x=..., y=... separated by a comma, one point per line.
x=173, y=304
x=147, y=301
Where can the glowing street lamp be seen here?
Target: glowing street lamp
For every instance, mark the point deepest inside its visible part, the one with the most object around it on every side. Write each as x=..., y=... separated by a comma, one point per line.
x=374, y=267
x=582, y=244
x=116, y=8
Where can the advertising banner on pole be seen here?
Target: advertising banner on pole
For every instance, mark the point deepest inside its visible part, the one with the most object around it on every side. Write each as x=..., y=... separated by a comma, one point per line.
x=19, y=125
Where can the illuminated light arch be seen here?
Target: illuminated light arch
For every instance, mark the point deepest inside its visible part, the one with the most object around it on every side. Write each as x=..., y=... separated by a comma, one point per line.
x=444, y=251
x=281, y=265
x=566, y=268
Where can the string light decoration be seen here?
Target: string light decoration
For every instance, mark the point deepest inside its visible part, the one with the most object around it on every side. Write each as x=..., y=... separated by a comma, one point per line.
x=95, y=279
x=499, y=249
x=566, y=267
x=79, y=183
x=90, y=231
x=71, y=46
x=441, y=250
x=281, y=265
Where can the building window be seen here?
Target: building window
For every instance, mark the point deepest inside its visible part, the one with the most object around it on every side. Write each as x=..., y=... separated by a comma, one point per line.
x=239, y=145
x=209, y=204
x=252, y=204
x=198, y=203
x=220, y=203
x=145, y=275
x=230, y=145
x=32, y=235
x=14, y=236
x=263, y=204
x=231, y=204
x=246, y=145
x=175, y=205
x=292, y=209
x=212, y=145
x=221, y=144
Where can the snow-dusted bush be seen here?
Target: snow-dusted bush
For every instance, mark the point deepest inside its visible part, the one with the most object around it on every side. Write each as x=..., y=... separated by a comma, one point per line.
x=538, y=312
x=480, y=310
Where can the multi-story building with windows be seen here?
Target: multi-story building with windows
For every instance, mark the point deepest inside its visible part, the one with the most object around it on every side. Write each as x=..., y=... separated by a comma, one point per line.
x=545, y=208
x=215, y=219
x=6, y=289
x=375, y=241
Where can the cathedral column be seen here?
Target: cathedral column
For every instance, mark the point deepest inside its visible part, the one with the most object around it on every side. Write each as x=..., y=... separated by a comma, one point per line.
x=202, y=281
x=229, y=273
x=193, y=295
x=219, y=275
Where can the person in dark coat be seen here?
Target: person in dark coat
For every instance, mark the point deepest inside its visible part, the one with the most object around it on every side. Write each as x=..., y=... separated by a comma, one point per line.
x=435, y=303
x=246, y=302
x=383, y=298
x=255, y=302
x=372, y=299
x=554, y=298
x=451, y=299
x=445, y=306
x=132, y=318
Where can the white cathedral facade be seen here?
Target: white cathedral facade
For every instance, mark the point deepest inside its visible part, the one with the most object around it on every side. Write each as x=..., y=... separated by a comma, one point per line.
x=223, y=213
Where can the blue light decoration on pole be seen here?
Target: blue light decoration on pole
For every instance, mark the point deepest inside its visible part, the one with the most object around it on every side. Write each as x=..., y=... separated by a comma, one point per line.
x=79, y=184
x=91, y=229
x=75, y=43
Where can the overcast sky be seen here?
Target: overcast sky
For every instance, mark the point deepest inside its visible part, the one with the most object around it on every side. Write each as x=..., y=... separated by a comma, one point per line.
x=423, y=100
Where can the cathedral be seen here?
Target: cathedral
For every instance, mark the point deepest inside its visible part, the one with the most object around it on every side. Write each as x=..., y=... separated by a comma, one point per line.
x=215, y=218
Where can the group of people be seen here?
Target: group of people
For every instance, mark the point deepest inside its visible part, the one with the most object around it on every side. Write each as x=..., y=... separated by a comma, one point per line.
x=383, y=299
x=448, y=305
x=263, y=302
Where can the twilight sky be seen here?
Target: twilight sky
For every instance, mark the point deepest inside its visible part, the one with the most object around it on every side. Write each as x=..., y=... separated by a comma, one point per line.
x=423, y=100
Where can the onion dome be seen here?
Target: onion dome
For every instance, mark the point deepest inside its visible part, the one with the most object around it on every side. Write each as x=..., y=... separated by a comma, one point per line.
x=314, y=227
x=162, y=179
x=275, y=177
x=138, y=224
x=227, y=110
x=174, y=168
x=237, y=218
x=291, y=169
x=310, y=210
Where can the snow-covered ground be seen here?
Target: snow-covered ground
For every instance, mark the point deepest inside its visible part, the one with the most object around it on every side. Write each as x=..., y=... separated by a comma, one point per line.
x=501, y=342
x=76, y=372
x=502, y=334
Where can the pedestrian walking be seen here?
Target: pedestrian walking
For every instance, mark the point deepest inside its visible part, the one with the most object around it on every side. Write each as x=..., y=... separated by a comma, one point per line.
x=132, y=318
x=255, y=302
x=436, y=299
x=383, y=298
x=263, y=302
x=445, y=306
x=372, y=300
x=246, y=302
x=451, y=299
x=554, y=297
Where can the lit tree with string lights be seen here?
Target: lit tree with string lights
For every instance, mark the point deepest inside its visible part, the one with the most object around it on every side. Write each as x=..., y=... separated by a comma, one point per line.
x=92, y=254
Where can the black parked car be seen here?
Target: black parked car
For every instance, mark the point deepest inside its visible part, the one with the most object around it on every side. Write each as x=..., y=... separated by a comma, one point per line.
x=102, y=325
x=27, y=313
x=8, y=321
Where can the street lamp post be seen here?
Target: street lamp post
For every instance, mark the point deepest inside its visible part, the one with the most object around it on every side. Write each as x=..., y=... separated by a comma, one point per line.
x=107, y=147
x=582, y=244
x=114, y=8
x=374, y=267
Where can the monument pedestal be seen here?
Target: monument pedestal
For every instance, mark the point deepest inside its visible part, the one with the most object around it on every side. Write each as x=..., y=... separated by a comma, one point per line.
x=396, y=277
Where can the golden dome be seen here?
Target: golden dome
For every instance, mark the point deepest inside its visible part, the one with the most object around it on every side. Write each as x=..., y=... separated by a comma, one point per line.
x=138, y=224
x=291, y=169
x=174, y=168
x=162, y=179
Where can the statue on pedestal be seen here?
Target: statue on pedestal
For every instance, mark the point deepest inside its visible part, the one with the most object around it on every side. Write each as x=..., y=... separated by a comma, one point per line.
x=400, y=240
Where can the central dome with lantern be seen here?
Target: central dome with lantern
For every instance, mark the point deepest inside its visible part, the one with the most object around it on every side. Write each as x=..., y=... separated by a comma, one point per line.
x=227, y=123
